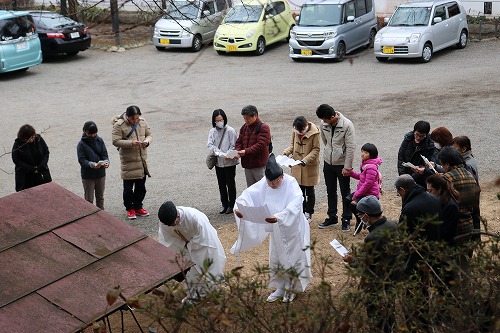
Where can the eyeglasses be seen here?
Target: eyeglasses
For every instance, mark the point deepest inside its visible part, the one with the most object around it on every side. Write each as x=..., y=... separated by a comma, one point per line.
x=419, y=135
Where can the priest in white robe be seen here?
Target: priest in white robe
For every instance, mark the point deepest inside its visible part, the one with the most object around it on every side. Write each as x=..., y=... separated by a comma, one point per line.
x=188, y=231
x=287, y=226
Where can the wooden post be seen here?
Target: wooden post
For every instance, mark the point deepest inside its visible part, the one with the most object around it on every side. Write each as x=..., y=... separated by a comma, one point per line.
x=115, y=21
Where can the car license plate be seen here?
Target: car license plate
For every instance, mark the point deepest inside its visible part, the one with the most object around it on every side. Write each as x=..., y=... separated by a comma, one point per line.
x=388, y=49
x=306, y=52
x=164, y=41
x=21, y=46
x=231, y=47
x=74, y=34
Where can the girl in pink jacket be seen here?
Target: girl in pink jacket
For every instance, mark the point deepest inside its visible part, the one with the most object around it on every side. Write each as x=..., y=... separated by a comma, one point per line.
x=369, y=178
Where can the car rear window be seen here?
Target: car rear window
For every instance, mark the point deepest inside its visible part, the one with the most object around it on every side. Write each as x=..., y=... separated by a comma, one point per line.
x=13, y=28
x=53, y=21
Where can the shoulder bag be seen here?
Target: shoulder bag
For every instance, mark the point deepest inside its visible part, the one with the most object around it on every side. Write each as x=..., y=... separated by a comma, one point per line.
x=211, y=159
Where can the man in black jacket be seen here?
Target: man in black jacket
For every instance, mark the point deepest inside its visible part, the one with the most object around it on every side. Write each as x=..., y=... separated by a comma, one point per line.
x=416, y=143
x=378, y=264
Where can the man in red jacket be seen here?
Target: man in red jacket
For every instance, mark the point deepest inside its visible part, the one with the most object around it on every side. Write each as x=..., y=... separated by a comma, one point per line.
x=253, y=145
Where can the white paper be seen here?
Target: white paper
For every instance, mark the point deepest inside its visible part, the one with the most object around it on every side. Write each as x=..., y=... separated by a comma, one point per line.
x=254, y=214
x=286, y=161
x=408, y=165
x=339, y=247
x=229, y=153
x=429, y=165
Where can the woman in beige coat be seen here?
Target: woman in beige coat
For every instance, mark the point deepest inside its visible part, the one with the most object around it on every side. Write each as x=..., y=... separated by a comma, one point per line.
x=132, y=135
x=305, y=148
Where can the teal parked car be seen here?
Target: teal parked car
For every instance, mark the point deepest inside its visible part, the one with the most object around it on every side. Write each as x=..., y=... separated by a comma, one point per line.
x=19, y=43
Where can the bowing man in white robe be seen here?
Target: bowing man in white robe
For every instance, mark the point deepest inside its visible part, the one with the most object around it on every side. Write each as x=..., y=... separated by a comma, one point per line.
x=188, y=231
x=288, y=229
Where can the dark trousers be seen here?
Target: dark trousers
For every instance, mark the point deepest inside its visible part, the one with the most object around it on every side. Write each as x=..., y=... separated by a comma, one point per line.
x=332, y=174
x=309, y=199
x=227, y=185
x=134, y=191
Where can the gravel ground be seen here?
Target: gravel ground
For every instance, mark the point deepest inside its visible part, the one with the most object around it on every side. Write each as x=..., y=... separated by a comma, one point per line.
x=178, y=90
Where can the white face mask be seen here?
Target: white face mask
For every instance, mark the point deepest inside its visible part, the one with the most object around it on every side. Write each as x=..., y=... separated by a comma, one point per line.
x=219, y=124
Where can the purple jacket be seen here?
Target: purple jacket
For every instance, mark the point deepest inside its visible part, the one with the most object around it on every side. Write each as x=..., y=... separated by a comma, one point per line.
x=368, y=178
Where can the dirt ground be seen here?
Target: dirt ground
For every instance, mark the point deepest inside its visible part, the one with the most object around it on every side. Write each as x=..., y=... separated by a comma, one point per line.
x=490, y=211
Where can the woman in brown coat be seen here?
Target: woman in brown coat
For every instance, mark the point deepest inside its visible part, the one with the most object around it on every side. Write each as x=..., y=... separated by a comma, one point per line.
x=305, y=148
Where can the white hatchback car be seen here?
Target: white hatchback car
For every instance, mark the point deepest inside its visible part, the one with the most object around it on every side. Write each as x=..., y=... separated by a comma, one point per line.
x=420, y=28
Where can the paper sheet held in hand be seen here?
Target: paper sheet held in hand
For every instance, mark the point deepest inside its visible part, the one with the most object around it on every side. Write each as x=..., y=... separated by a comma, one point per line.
x=286, y=161
x=254, y=214
x=339, y=247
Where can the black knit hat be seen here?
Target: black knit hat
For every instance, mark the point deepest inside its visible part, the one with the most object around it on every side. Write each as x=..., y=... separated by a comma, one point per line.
x=90, y=127
x=167, y=213
x=273, y=169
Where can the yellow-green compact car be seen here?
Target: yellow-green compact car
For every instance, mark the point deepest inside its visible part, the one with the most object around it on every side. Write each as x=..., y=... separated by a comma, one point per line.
x=252, y=25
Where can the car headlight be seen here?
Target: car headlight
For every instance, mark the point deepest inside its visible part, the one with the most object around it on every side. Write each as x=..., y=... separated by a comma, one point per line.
x=414, y=38
x=250, y=33
x=156, y=33
x=217, y=34
x=330, y=34
x=185, y=32
x=293, y=35
x=378, y=38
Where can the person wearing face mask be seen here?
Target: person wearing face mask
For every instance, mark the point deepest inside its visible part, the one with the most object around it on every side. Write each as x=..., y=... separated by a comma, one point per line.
x=93, y=158
x=305, y=147
x=221, y=139
x=377, y=264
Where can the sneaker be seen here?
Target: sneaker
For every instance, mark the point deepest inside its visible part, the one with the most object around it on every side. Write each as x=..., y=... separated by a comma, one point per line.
x=278, y=294
x=229, y=210
x=222, y=210
x=328, y=223
x=141, y=212
x=288, y=297
x=308, y=216
x=346, y=225
x=131, y=214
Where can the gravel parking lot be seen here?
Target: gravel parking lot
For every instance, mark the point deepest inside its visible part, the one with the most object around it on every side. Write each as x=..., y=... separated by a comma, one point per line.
x=178, y=90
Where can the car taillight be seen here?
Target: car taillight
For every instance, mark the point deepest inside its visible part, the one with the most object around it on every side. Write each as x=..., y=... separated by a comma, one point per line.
x=55, y=35
x=85, y=30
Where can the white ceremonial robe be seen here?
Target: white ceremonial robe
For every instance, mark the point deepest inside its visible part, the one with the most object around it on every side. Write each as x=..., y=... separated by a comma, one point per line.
x=289, y=237
x=203, y=244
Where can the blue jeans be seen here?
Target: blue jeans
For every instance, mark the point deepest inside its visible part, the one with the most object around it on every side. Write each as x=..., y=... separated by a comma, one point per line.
x=332, y=174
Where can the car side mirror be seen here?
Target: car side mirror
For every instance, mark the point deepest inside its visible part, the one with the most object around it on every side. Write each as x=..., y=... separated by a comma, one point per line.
x=350, y=18
x=206, y=13
x=297, y=19
x=268, y=16
x=438, y=19
x=386, y=19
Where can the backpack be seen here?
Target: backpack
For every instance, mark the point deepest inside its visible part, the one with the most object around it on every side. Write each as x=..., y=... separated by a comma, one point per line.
x=257, y=131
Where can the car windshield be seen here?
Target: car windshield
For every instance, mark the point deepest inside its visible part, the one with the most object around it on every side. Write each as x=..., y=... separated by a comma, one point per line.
x=410, y=16
x=16, y=27
x=244, y=14
x=52, y=21
x=182, y=10
x=320, y=15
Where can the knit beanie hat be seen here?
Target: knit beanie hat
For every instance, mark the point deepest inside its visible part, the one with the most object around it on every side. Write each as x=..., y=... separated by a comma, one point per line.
x=167, y=213
x=369, y=205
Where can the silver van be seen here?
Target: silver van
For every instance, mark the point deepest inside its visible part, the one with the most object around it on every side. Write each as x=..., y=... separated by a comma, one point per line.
x=189, y=24
x=19, y=43
x=418, y=29
x=332, y=28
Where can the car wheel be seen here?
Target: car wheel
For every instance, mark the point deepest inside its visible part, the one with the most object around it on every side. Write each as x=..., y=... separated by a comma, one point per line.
x=371, y=38
x=261, y=46
x=296, y=59
x=220, y=52
x=160, y=48
x=71, y=54
x=382, y=59
x=197, y=44
x=340, y=52
x=462, y=42
x=426, y=53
